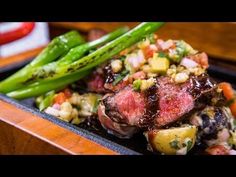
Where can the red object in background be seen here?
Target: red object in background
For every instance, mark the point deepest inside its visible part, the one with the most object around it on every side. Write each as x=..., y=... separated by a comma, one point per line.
x=18, y=33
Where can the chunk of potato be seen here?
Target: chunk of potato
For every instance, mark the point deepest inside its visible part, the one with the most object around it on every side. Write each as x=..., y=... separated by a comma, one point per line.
x=173, y=140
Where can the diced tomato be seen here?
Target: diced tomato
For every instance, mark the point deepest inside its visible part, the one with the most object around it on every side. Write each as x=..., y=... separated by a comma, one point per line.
x=139, y=75
x=124, y=52
x=149, y=51
x=67, y=93
x=227, y=90
x=201, y=59
x=229, y=95
x=60, y=98
x=217, y=150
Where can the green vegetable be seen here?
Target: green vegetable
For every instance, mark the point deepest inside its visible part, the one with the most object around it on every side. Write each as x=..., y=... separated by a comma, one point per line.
x=43, y=87
x=95, y=107
x=89, y=104
x=55, y=49
x=137, y=84
x=38, y=100
x=76, y=53
x=162, y=55
x=76, y=121
x=229, y=102
x=182, y=49
x=110, y=49
x=189, y=145
x=120, y=77
x=47, y=101
x=151, y=38
x=122, y=58
x=234, y=122
x=174, y=144
x=68, y=74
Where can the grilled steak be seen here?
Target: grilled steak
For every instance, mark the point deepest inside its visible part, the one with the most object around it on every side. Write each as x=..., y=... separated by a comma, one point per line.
x=121, y=130
x=161, y=105
x=95, y=83
x=125, y=106
x=174, y=101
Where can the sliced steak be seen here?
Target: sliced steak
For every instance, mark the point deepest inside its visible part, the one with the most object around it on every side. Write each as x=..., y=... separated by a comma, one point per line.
x=180, y=100
x=120, y=130
x=125, y=106
x=162, y=104
x=174, y=102
x=95, y=83
x=114, y=88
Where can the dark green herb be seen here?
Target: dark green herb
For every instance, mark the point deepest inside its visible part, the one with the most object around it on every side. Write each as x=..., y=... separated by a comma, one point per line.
x=47, y=101
x=174, y=144
x=38, y=100
x=229, y=102
x=180, y=51
x=95, y=108
x=120, y=77
x=162, y=54
x=151, y=38
x=137, y=85
x=234, y=122
x=122, y=58
x=189, y=145
x=92, y=50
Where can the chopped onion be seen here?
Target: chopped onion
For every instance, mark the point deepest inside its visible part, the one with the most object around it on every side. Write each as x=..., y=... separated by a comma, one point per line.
x=136, y=60
x=188, y=63
x=153, y=47
x=52, y=111
x=166, y=45
x=56, y=106
x=232, y=152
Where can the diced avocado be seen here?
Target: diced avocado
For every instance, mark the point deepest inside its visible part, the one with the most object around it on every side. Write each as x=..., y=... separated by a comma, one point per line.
x=137, y=85
x=159, y=64
x=76, y=121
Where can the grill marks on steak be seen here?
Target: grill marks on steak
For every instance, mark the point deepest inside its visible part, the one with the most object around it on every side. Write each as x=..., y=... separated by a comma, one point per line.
x=151, y=111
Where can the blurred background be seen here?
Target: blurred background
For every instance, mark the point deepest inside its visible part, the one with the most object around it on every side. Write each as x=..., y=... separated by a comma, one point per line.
x=21, y=42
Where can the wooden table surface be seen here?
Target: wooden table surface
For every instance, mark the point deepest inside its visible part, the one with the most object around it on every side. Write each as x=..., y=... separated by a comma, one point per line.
x=22, y=132
x=217, y=39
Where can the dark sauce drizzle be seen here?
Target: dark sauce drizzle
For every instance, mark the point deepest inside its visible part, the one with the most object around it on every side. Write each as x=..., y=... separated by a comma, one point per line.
x=199, y=84
x=147, y=120
x=110, y=76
